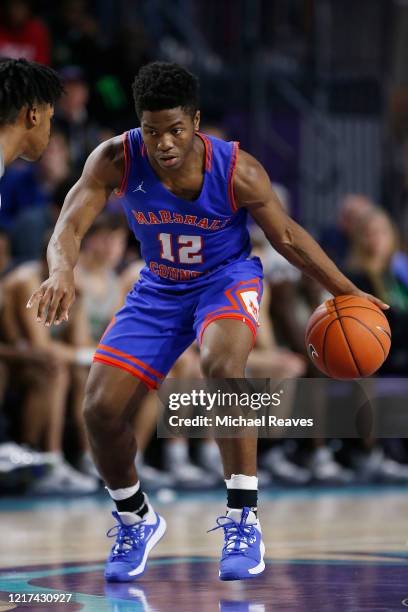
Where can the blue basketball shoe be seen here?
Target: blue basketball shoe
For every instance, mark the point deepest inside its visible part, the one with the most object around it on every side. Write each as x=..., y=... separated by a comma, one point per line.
x=243, y=551
x=135, y=538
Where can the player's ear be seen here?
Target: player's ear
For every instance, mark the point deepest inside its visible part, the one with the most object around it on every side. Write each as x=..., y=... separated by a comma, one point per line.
x=32, y=117
x=196, y=121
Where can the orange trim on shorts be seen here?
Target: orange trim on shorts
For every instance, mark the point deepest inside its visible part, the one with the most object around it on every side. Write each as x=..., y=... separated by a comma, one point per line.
x=229, y=315
x=111, y=361
x=138, y=362
x=253, y=281
x=123, y=187
x=235, y=306
x=231, y=172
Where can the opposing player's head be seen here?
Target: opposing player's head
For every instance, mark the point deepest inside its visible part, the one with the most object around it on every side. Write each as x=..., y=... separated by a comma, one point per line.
x=28, y=93
x=166, y=99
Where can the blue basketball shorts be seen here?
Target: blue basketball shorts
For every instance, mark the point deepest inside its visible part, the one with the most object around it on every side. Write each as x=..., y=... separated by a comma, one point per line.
x=160, y=319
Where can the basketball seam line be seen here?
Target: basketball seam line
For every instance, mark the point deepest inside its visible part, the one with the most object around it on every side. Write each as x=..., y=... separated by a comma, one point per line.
x=370, y=330
x=324, y=346
x=346, y=298
x=327, y=314
x=346, y=339
x=363, y=307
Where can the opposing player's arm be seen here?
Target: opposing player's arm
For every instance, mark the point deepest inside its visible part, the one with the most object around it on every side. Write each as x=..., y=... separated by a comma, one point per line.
x=102, y=173
x=253, y=190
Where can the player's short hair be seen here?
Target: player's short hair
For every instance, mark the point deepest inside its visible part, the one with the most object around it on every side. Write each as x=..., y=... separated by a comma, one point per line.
x=24, y=83
x=162, y=85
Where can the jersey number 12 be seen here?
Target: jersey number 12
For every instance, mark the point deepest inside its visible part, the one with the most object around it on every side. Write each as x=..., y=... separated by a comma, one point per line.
x=189, y=249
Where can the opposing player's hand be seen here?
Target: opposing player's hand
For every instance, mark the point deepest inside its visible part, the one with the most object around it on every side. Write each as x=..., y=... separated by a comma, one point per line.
x=54, y=298
x=372, y=298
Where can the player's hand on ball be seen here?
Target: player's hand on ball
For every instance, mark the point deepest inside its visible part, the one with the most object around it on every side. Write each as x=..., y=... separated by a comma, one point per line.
x=54, y=297
x=372, y=298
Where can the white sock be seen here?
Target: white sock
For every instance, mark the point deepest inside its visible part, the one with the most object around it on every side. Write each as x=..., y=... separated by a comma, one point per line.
x=119, y=494
x=241, y=481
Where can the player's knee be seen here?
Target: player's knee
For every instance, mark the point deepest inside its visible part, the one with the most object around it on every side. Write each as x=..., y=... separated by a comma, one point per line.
x=221, y=366
x=99, y=411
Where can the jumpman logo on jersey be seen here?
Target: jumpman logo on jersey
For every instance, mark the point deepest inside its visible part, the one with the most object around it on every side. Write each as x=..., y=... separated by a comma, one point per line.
x=140, y=188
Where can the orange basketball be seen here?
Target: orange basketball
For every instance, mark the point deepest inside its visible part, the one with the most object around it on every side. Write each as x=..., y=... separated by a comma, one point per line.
x=348, y=337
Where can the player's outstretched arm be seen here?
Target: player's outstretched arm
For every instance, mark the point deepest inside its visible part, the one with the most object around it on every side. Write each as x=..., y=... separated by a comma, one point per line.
x=253, y=190
x=102, y=174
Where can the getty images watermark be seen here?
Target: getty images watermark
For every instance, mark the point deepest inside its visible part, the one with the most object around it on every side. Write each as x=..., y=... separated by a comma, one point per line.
x=293, y=408
x=219, y=400
x=209, y=400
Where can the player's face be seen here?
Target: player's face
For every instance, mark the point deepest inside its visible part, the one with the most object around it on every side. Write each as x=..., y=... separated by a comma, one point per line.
x=38, y=134
x=169, y=135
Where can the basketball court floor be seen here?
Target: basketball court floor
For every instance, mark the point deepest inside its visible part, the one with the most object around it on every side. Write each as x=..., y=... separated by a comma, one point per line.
x=326, y=550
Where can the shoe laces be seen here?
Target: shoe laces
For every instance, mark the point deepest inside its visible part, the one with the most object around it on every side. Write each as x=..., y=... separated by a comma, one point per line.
x=237, y=536
x=128, y=537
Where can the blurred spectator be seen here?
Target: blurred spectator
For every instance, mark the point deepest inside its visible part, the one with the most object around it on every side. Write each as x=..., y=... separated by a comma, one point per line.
x=45, y=383
x=29, y=192
x=71, y=117
x=130, y=50
x=335, y=239
x=377, y=266
x=18, y=464
x=102, y=250
x=5, y=254
x=22, y=34
x=77, y=37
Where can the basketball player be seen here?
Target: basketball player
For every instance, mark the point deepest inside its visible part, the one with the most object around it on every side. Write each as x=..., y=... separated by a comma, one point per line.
x=186, y=197
x=28, y=93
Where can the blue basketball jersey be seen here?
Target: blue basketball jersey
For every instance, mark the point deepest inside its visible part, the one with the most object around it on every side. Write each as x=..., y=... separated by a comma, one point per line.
x=180, y=239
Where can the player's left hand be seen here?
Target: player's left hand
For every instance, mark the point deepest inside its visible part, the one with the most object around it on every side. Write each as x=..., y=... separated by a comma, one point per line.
x=370, y=297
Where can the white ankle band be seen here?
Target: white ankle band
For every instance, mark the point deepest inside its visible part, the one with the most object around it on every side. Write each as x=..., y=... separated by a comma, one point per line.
x=240, y=481
x=119, y=494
